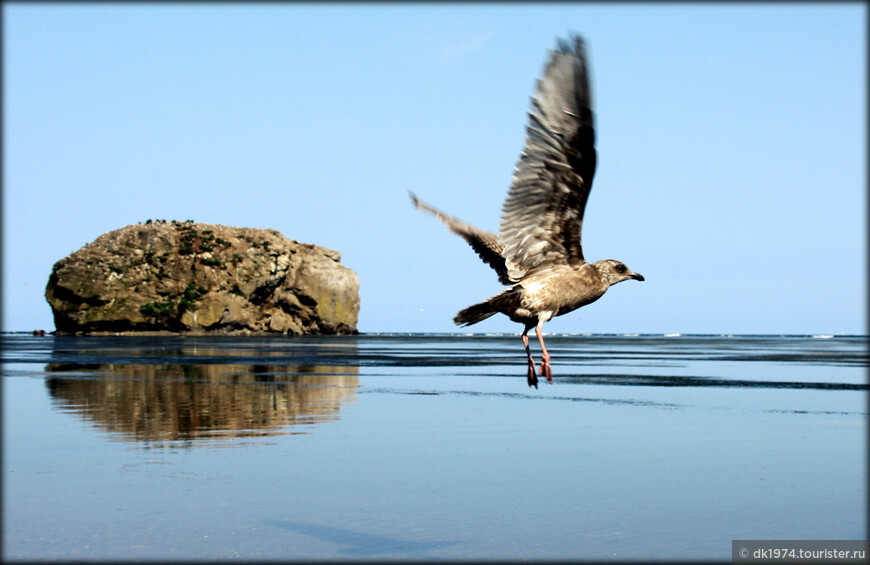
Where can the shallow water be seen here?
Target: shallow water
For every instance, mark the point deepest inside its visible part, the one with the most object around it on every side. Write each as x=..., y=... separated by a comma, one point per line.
x=429, y=447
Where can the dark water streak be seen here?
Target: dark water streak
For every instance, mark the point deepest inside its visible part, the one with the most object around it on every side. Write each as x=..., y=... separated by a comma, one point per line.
x=385, y=350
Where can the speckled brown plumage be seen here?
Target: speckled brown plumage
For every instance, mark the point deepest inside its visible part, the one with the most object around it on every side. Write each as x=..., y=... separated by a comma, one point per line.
x=538, y=249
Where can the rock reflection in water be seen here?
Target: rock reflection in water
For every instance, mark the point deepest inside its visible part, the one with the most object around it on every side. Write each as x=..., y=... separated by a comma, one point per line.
x=187, y=403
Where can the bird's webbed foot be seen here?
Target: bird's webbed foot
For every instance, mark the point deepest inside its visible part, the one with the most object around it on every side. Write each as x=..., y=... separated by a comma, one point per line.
x=546, y=371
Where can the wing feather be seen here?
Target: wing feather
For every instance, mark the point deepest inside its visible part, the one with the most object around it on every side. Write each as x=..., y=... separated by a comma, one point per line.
x=542, y=216
x=484, y=243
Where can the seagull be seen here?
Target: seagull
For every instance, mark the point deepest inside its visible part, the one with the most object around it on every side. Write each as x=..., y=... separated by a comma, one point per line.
x=538, y=251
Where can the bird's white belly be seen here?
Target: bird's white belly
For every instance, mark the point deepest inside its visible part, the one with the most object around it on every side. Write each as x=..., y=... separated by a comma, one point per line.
x=546, y=297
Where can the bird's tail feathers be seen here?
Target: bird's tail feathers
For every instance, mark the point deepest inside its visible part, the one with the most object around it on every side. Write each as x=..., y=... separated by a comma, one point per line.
x=503, y=302
x=474, y=314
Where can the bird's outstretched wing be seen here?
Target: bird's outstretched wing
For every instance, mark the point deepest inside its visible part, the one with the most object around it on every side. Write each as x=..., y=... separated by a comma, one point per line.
x=543, y=213
x=484, y=243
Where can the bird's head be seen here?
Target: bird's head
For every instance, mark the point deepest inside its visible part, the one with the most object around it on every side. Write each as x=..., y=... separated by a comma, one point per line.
x=615, y=272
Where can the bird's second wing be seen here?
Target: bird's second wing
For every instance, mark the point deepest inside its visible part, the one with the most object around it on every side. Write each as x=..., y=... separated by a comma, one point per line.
x=543, y=213
x=484, y=243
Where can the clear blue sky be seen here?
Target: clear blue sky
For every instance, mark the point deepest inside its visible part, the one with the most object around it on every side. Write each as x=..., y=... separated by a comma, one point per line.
x=731, y=143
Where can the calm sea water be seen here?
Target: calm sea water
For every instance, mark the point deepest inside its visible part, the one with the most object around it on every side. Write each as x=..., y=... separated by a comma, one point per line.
x=429, y=446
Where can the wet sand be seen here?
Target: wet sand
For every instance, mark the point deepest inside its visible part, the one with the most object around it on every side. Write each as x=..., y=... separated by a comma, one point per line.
x=428, y=447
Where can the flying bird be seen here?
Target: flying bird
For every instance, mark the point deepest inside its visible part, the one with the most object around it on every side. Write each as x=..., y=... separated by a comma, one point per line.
x=538, y=251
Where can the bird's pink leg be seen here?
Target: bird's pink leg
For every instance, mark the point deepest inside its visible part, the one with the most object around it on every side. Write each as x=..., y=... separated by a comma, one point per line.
x=545, y=357
x=532, y=378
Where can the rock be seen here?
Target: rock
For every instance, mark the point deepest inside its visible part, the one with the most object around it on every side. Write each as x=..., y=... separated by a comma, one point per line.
x=202, y=278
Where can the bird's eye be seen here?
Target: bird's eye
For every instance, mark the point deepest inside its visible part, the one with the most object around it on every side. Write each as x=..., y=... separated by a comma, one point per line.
x=620, y=268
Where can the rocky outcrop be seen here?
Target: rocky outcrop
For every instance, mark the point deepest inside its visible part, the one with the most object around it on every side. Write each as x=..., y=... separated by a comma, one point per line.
x=202, y=278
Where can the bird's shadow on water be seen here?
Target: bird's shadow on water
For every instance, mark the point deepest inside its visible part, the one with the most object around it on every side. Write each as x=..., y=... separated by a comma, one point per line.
x=360, y=544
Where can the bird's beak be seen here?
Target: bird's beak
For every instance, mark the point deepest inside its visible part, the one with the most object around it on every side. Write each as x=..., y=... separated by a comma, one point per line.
x=636, y=276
